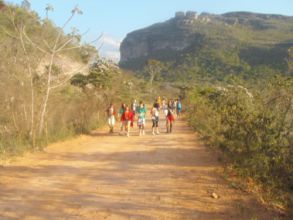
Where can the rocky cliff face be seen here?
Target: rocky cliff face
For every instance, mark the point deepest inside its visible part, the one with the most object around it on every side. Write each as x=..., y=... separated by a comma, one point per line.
x=143, y=42
x=169, y=37
x=190, y=32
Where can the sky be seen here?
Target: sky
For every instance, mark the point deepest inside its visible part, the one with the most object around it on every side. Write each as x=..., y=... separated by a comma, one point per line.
x=115, y=18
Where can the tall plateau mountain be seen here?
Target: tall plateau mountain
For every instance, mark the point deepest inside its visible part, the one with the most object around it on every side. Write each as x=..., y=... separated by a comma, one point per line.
x=236, y=39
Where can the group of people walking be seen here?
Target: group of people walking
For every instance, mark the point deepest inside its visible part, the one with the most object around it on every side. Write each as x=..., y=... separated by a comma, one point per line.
x=138, y=111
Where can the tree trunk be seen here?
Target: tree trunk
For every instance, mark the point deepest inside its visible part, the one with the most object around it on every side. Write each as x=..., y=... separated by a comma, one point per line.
x=46, y=99
x=151, y=81
x=32, y=126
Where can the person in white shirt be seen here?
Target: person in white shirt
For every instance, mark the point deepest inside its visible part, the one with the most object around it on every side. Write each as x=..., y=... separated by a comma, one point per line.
x=155, y=119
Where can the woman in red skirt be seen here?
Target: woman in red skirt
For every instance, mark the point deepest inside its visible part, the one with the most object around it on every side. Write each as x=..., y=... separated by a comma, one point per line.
x=169, y=119
x=127, y=118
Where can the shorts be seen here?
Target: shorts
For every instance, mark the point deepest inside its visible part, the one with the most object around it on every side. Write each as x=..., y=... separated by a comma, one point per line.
x=126, y=122
x=170, y=118
x=155, y=121
x=141, y=121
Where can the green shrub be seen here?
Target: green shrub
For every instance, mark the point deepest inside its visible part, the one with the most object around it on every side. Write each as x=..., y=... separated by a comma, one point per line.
x=254, y=131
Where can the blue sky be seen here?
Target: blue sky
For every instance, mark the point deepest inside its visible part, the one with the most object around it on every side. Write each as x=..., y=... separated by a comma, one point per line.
x=116, y=18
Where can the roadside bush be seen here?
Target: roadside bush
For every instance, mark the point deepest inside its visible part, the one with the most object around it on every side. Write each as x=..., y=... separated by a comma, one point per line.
x=37, y=103
x=254, y=131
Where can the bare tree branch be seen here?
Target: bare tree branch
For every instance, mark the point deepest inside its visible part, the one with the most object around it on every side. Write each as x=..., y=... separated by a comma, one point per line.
x=100, y=47
x=9, y=34
x=61, y=84
x=47, y=45
x=76, y=47
x=97, y=39
x=68, y=78
x=31, y=42
x=32, y=129
x=64, y=45
x=84, y=33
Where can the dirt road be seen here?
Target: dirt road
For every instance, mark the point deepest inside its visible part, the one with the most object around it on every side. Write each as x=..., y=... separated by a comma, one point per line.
x=114, y=177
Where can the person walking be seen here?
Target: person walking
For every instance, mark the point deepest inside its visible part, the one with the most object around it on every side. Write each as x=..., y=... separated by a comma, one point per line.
x=141, y=112
x=134, y=106
x=170, y=119
x=121, y=112
x=111, y=117
x=178, y=108
x=127, y=118
x=165, y=107
x=174, y=105
x=133, y=111
x=155, y=119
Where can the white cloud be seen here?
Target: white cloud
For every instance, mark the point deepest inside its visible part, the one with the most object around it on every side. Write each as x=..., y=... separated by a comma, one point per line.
x=110, y=48
x=113, y=55
x=110, y=41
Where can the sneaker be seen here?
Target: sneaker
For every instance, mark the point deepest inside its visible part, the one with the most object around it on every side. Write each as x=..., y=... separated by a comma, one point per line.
x=143, y=133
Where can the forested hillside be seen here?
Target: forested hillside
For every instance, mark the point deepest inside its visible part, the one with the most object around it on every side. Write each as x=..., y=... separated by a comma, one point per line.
x=231, y=43
x=53, y=86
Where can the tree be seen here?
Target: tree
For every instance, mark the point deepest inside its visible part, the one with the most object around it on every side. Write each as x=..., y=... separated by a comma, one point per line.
x=57, y=48
x=26, y=5
x=36, y=50
x=153, y=69
x=100, y=77
x=80, y=80
x=48, y=9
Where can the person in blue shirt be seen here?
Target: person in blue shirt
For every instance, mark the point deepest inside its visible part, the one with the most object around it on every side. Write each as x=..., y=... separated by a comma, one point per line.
x=141, y=114
x=178, y=108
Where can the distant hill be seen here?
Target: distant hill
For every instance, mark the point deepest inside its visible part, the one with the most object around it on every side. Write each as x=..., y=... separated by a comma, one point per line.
x=237, y=39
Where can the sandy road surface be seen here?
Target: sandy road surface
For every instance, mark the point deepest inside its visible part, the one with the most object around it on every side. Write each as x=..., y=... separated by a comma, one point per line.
x=114, y=177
